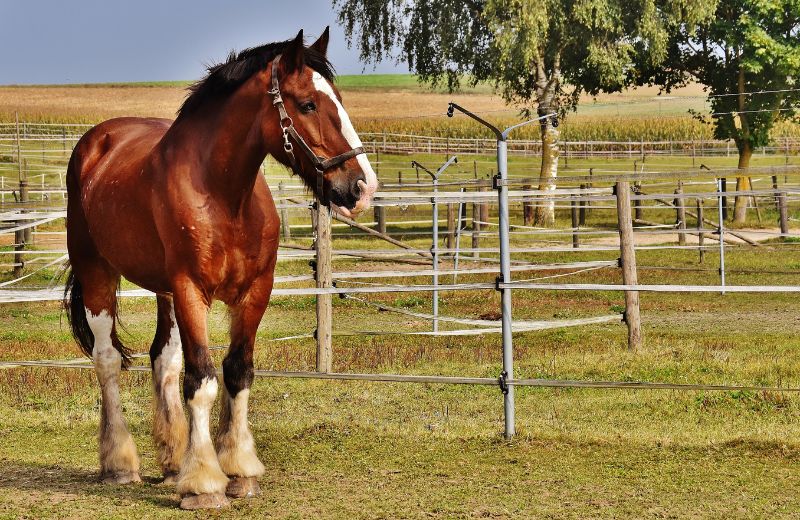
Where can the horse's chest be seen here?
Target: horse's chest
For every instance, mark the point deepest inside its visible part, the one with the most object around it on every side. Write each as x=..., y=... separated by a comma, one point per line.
x=228, y=267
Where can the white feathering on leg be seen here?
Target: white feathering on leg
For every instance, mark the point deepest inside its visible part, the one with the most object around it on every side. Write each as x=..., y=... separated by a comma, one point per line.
x=235, y=446
x=200, y=471
x=117, y=450
x=169, y=423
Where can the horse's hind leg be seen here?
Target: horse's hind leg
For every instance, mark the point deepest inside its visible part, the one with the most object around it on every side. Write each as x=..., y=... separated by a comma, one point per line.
x=235, y=447
x=119, y=462
x=169, y=423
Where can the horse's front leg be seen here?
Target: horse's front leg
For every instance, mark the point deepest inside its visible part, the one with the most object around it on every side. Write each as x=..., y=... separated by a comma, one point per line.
x=235, y=447
x=201, y=481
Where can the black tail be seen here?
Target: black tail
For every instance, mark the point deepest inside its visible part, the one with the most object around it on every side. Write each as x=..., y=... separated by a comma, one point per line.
x=76, y=315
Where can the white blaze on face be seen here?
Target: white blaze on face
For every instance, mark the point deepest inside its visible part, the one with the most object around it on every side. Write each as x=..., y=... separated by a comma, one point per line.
x=354, y=141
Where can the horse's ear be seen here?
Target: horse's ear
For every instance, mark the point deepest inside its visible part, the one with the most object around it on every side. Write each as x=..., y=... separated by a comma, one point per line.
x=321, y=45
x=294, y=55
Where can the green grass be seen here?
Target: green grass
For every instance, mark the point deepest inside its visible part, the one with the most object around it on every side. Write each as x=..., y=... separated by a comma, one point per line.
x=401, y=82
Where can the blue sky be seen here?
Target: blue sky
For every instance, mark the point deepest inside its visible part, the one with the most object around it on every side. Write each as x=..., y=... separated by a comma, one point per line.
x=91, y=41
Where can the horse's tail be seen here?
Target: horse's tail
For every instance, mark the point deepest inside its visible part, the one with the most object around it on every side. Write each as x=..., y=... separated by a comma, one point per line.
x=76, y=314
x=81, y=331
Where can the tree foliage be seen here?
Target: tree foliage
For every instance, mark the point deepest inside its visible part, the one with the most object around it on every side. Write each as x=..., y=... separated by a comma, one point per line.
x=748, y=57
x=541, y=53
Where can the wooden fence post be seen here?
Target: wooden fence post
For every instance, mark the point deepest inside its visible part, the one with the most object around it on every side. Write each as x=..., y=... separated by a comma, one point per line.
x=775, y=190
x=23, y=236
x=380, y=219
x=287, y=230
x=476, y=225
x=784, y=215
x=638, y=211
x=323, y=275
x=628, y=264
x=680, y=214
x=700, y=236
x=724, y=199
x=483, y=212
x=582, y=210
x=24, y=199
x=575, y=222
x=450, y=238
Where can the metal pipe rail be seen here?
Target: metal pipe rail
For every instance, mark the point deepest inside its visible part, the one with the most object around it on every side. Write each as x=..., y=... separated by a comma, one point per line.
x=449, y=380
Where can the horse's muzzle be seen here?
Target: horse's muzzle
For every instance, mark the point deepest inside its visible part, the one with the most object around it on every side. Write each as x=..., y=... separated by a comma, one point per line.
x=353, y=197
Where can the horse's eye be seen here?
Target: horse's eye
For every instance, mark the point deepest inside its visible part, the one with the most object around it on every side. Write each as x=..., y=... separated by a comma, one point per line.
x=308, y=107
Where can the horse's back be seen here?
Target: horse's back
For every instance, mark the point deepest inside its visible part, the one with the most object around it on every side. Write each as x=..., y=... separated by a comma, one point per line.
x=126, y=139
x=109, y=198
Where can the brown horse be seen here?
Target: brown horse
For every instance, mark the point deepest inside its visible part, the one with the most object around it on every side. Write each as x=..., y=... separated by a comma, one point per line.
x=181, y=208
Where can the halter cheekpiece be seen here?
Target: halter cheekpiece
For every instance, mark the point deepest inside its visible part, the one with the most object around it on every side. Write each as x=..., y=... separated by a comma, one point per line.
x=321, y=164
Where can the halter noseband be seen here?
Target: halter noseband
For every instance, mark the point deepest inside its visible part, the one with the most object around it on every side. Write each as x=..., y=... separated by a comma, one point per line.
x=321, y=164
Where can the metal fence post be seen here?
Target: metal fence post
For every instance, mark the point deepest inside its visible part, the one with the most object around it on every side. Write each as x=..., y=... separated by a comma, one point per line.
x=501, y=184
x=435, y=232
x=435, y=252
x=505, y=293
x=721, y=231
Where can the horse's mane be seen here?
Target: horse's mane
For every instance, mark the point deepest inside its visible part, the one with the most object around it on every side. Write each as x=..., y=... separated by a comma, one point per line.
x=224, y=78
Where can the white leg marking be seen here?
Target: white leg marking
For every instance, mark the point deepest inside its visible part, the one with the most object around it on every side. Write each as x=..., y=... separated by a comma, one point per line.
x=169, y=424
x=170, y=361
x=353, y=140
x=235, y=447
x=200, y=471
x=117, y=449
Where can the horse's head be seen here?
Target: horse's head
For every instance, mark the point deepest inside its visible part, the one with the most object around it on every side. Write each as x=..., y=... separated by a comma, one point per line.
x=319, y=141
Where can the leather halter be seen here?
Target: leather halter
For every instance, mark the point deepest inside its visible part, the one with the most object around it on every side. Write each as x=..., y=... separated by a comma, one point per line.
x=321, y=164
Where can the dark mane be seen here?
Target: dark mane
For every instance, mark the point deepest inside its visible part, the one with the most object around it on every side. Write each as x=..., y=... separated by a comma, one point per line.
x=224, y=78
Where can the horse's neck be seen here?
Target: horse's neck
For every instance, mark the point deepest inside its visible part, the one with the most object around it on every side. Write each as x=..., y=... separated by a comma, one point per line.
x=227, y=141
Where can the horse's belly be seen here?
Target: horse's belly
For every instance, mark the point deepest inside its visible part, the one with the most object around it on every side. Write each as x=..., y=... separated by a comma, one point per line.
x=121, y=223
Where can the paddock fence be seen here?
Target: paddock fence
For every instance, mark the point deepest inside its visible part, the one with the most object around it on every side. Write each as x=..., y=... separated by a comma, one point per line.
x=685, y=211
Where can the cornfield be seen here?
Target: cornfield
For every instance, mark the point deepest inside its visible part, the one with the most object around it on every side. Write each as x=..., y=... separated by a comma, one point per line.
x=574, y=128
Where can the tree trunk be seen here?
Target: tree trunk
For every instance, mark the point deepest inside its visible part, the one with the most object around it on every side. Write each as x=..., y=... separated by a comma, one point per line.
x=742, y=184
x=544, y=214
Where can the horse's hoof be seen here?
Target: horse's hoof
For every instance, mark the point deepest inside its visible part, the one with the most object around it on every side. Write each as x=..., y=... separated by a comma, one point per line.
x=205, y=501
x=170, y=479
x=120, y=477
x=243, y=487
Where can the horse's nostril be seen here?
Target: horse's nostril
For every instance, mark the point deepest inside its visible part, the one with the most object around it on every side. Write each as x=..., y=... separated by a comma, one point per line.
x=360, y=189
